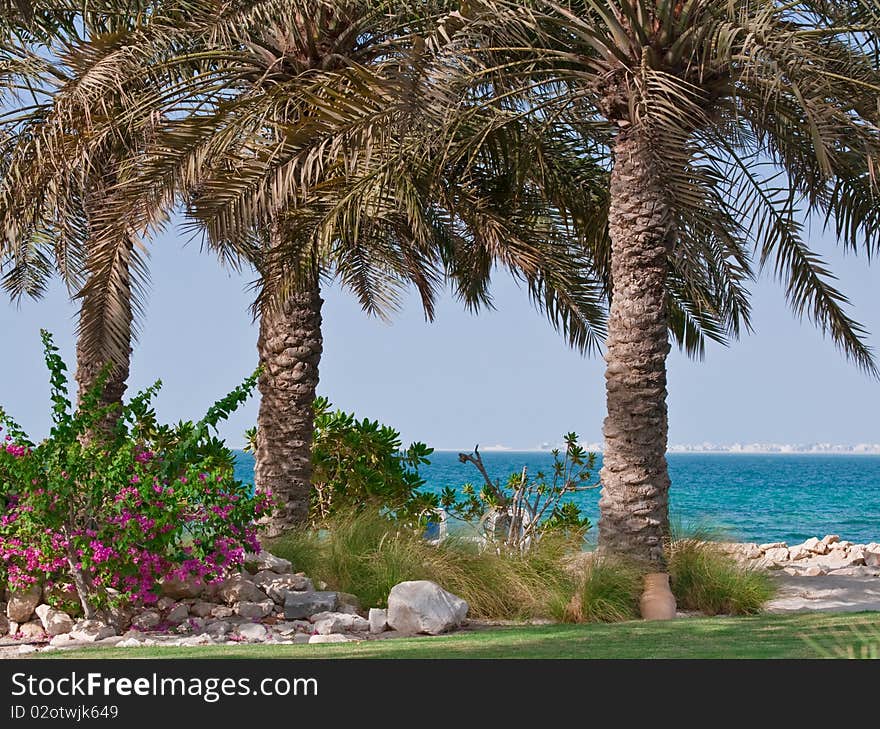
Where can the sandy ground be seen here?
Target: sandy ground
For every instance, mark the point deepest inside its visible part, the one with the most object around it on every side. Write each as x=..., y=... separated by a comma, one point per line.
x=828, y=593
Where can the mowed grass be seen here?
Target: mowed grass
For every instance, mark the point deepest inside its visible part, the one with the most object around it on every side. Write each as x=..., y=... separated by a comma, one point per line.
x=804, y=635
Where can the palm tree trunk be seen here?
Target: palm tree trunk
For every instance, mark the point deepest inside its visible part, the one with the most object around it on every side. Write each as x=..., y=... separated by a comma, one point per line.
x=634, y=516
x=115, y=353
x=290, y=347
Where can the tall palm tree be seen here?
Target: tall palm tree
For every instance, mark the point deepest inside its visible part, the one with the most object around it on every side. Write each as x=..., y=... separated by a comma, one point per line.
x=58, y=221
x=281, y=132
x=726, y=126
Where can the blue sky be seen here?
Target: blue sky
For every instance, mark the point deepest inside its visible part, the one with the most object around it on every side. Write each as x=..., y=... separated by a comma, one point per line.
x=504, y=377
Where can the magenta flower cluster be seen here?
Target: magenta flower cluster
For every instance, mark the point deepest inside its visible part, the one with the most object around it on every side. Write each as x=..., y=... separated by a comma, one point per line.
x=117, y=514
x=123, y=527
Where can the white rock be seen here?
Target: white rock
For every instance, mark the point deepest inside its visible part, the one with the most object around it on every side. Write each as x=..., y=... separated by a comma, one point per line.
x=54, y=621
x=254, y=610
x=146, y=620
x=27, y=648
x=776, y=554
x=129, y=643
x=63, y=641
x=178, y=614
x=222, y=611
x=841, y=545
x=378, y=620
x=21, y=603
x=772, y=545
x=92, y=630
x=192, y=640
x=302, y=638
x=856, y=556
x=421, y=606
x=816, y=546
x=332, y=638
x=753, y=552
x=292, y=626
x=830, y=539
x=872, y=557
x=798, y=552
x=340, y=623
x=252, y=632
x=840, y=559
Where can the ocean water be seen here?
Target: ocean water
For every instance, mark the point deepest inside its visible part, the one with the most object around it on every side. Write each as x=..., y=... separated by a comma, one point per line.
x=755, y=498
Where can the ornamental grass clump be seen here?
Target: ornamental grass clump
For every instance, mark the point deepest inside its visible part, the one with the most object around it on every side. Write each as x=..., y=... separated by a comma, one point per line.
x=107, y=518
x=706, y=579
x=367, y=553
x=606, y=591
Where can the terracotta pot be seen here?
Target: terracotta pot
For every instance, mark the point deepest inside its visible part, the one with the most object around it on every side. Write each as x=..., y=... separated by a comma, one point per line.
x=657, y=602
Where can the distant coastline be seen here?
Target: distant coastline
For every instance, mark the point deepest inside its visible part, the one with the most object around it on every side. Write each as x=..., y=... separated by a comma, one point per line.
x=736, y=449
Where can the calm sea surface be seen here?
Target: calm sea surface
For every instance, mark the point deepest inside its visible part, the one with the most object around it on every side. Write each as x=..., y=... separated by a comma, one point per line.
x=751, y=497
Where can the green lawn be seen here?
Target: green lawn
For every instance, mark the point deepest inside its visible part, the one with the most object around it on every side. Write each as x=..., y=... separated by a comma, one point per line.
x=756, y=637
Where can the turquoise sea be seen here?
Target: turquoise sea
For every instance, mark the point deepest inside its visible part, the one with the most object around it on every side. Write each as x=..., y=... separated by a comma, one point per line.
x=756, y=498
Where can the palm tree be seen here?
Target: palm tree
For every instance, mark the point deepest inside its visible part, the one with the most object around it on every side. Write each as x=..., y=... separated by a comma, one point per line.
x=727, y=125
x=56, y=218
x=281, y=132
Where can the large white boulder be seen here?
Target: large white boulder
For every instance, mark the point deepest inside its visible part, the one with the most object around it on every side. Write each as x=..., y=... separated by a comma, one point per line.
x=421, y=606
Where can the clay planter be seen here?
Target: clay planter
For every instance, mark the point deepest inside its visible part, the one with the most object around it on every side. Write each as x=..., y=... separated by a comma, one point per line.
x=657, y=601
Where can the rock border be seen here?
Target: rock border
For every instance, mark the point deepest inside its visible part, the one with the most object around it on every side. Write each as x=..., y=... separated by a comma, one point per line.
x=265, y=602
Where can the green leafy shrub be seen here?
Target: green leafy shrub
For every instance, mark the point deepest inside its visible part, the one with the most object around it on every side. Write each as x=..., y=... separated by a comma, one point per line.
x=360, y=464
x=109, y=518
x=705, y=578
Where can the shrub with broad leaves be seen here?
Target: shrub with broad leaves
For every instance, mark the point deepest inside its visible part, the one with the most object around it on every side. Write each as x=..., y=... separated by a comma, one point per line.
x=359, y=464
x=105, y=517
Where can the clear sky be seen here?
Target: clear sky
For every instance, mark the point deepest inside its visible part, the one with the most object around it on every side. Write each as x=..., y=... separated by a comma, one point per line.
x=504, y=377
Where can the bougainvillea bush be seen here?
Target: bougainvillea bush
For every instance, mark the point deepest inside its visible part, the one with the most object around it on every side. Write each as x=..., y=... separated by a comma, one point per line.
x=105, y=517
